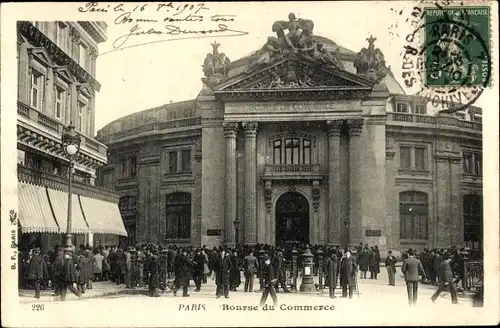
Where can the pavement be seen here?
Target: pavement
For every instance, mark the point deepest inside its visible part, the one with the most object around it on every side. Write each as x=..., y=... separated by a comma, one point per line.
x=111, y=290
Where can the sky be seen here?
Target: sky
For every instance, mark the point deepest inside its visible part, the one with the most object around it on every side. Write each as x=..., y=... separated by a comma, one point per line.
x=147, y=76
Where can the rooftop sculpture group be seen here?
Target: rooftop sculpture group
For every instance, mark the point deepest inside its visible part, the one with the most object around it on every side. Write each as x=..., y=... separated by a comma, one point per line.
x=216, y=66
x=299, y=39
x=370, y=61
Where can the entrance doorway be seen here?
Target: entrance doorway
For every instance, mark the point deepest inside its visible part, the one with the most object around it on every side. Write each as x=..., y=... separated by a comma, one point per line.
x=292, y=219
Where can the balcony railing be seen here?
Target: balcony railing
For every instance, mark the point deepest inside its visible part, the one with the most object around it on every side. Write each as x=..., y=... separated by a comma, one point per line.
x=151, y=127
x=300, y=171
x=56, y=128
x=433, y=120
x=59, y=182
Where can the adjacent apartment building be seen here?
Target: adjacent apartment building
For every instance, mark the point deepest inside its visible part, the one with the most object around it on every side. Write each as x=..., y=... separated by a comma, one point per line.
x=56, y=87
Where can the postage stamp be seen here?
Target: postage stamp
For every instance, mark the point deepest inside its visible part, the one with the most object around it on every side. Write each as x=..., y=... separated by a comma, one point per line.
x=233, y=164
x=457, y=46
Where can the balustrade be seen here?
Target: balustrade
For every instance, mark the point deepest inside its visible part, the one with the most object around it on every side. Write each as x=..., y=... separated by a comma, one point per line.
x=433, y=120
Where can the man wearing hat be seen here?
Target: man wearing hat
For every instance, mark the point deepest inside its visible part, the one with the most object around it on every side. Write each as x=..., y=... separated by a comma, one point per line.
x=222, y=270
x=348, y=273
x=154, y=279
x=269, y=278
x=251, y=267
x=411, y=269
x=447, y=279
x=390, y=264
x=38, y=271
x=331, y=272
x=68, y=275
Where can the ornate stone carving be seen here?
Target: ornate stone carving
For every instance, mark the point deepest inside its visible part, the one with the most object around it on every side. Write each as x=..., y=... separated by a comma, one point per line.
x=215, y=67
x=94, y=53
x=268, y=193
x=355, y=127
x=75, y=35
x=335, y=128
x=250, y=128
x=297, y=40
x=230, y=129
x=315, y=195
x=371, y=61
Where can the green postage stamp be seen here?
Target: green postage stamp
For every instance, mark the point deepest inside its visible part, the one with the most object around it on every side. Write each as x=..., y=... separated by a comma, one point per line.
x=457, y=47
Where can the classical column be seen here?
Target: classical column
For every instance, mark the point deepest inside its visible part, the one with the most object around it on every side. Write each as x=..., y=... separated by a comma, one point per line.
x=250, y=183
x=230, y=131
x=333, y=226
x=355, y=128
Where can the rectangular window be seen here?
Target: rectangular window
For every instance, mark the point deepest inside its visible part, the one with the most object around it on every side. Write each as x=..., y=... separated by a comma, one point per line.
x=420, y=159
x=172, y=162
x=468, y=163
x=88, y=121
x=36, y=89
x=405, y=157
x=133, y=167
x=306, y=153
x=60, y=102
x=478, y=164
x=21, y=157
x=292, y=151
x=186, y=160
x=83, y=56
x=61, y=35
x=420, y=109
x=123, y=168
x=277, y=152
x=80, y=125
x=402, y=108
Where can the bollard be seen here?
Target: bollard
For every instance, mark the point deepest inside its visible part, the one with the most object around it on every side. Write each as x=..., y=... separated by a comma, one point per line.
x=295, y=270
x=320, y=268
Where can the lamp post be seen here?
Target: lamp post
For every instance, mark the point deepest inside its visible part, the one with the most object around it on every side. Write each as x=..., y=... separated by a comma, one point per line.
x=71, y=142
x=237, y=231
x=320, y=254
x=347, y=223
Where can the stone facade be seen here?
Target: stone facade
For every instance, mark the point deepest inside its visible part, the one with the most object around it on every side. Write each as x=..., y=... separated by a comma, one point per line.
x=363, y=164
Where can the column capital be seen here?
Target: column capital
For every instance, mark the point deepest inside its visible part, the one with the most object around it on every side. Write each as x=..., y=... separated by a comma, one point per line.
x=335, y=128
x=355, y=127
x=250, y=128
x=230, y=129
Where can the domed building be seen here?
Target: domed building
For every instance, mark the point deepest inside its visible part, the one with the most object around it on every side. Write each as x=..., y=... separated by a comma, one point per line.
x=303, y=140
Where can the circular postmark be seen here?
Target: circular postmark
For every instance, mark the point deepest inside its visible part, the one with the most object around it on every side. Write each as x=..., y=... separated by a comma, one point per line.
x=453, y=64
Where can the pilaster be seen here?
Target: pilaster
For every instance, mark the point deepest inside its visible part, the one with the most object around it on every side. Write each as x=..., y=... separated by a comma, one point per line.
x=250, y=131
x=230, y=132
x=355, y=200
x=334, y=189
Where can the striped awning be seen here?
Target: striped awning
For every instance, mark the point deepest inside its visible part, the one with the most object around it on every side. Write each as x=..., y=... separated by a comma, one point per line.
x=35, y=214
x=102, y=216
x=59, y=201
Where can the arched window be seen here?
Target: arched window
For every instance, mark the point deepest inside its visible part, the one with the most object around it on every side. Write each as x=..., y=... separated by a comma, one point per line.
x=277, y=151
x=473, y=220
x=178, y=215
x=413, y=214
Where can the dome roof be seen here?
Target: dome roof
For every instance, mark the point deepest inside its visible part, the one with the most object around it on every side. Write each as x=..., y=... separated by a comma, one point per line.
x=163, y=113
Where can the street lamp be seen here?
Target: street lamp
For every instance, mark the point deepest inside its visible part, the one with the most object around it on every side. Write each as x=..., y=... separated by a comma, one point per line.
x=347, y=223
x=71, y=142
x=237, y=231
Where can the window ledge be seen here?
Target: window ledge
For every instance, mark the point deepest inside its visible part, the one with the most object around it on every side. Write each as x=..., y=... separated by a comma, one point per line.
x=413, y=241
x=472, y=176
x=178, y=174
x=413, y=172
x=127, y=179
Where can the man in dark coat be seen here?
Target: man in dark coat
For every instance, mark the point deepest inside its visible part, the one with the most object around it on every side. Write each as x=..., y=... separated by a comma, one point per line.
x=331, y=266
x=222, y=268
x=38, y=271
x=364, y=261
x=348, y=272
x=280, y=272
x=411, y=269
x=163, y=262
x=154, y=275
x=447, y=280
x=198, y=266
x=374, y=263
x=83, y=265
x=390, y=264
x=57, y=268
x=182, y=273
x=68, y=275
x=269, y=279
x=251, y=266
x=235, y=272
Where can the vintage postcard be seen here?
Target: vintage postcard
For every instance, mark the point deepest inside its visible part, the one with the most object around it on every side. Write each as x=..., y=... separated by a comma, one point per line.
x=249, y=164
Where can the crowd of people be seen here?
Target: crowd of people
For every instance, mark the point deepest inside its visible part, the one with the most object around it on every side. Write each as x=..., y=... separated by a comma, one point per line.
x=171, y=268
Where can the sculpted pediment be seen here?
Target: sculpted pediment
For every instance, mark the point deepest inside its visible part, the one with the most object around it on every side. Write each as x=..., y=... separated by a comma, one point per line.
x=64, y=73
x=294, y=77
x=41, y=55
